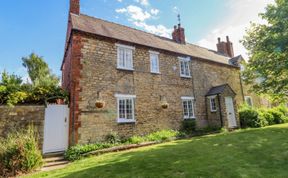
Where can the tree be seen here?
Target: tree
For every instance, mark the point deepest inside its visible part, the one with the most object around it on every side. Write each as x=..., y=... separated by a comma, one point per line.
x=10, y=89
x=267, y=45
x=39, y=71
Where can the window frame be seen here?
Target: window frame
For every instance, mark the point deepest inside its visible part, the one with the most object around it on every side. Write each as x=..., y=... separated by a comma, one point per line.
x=211, y=105
x=126, y=49
x=186, y=62
x=186, y=99
x=246, y=97
x=125, y=97
x=151, y=63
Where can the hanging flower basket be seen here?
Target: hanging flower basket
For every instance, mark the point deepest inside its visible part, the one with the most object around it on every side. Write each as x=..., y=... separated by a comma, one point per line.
x=100, y=104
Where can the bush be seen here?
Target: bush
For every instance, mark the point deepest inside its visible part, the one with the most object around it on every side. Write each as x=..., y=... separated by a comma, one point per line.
x=188, y=126
x=162, y=135
x=76, y=152
x=113, y=138
x=265, y=117
x=249, y=117
x=278, y=116
x=136, y=140
x=19, y=153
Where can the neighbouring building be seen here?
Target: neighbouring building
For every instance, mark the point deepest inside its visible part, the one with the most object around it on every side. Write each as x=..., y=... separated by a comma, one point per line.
x=130, y=82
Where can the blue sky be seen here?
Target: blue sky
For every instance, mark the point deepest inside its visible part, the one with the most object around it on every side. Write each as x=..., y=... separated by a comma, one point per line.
x=40, y=26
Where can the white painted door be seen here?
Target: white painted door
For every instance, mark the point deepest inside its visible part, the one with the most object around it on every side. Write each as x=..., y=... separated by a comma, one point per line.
x=56, y=128
x=230, y=112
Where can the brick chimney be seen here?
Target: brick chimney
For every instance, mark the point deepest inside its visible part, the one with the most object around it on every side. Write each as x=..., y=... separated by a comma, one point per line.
x=75, y=7
x=225, y=48
x=178, y=34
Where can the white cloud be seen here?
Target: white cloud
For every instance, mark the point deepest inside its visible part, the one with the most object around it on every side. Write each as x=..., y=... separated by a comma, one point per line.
x=143, y=2
x=135, y=13
x=119, y=0
x=160, y=30
x=239, y=16
x=138, y=17
x=154, y=11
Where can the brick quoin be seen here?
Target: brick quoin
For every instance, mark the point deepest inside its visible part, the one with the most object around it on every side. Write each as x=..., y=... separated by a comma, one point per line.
x=71, y=69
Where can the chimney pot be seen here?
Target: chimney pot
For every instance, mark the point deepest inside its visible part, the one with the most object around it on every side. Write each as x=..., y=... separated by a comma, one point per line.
x=227, y=38
x=219, y=40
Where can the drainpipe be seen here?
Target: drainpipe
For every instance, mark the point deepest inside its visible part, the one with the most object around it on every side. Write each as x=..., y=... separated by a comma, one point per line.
x=73, y=115
x=220, y=110
x=242, y=90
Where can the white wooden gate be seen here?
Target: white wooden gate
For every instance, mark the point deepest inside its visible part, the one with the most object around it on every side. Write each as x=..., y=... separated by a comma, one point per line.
x=230, y=112
x=56, y=128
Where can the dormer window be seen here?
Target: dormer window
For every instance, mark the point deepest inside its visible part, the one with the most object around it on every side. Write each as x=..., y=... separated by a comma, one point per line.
x=184, y=67
x=125, y=57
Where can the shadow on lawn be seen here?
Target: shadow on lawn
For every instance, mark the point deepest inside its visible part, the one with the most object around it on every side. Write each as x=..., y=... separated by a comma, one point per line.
x=252, y=153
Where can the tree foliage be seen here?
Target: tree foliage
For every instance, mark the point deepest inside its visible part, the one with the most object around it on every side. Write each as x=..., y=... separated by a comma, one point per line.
x=267, y=44
x=10, y=89
x=45, y=85
x=38, y=71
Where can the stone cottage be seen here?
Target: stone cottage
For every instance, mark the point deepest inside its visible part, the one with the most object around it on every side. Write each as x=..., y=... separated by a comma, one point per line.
x=126, y=81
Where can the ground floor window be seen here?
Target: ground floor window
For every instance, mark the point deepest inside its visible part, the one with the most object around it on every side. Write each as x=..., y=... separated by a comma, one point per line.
x=213, y=107
x=188, y=107
x=248, y=100
x=125, y=108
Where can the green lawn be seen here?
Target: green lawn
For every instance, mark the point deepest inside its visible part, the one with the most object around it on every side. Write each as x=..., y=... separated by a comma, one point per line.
x=246, y=153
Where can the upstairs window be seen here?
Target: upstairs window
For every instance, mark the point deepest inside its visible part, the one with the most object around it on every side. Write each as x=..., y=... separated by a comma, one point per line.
x=248, y=101
x=184, y=67
x=125, y=108
x=125, y=57
x=188, y=107
x=213, y=107
x=154, y=62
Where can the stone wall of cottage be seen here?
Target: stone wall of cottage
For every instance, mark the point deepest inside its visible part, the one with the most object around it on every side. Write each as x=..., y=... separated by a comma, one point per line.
x=100, y=74
x=20, y=117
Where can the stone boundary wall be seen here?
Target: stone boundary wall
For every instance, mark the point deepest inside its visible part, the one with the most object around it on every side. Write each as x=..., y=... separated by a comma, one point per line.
x=19, y=117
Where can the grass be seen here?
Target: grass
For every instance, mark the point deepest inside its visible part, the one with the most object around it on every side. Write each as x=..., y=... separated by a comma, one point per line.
x=247, y=153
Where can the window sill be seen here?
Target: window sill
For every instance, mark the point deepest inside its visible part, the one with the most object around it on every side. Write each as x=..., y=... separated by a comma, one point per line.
x=184, y=76
x=156, y=73
x=120, y=68
x=213, y=111
x=191, y=118
x=125, y=121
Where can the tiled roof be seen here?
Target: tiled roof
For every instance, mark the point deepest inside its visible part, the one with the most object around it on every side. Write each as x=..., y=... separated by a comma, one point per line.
x=112, y=30
x=236, y=60
x=218, y=90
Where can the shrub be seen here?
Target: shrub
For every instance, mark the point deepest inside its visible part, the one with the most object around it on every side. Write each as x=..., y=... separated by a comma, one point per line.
x=136, y=140
x=278, y=116
x=265, y=118
x=162, y=135
x=19, y=153
x=76, y=152
x=188, y=126
x=113, y=138
x=249, y=117
x=283, y=109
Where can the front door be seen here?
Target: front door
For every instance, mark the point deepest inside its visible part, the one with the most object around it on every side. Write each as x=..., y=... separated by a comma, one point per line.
x=230, y=112
x=56, y=128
